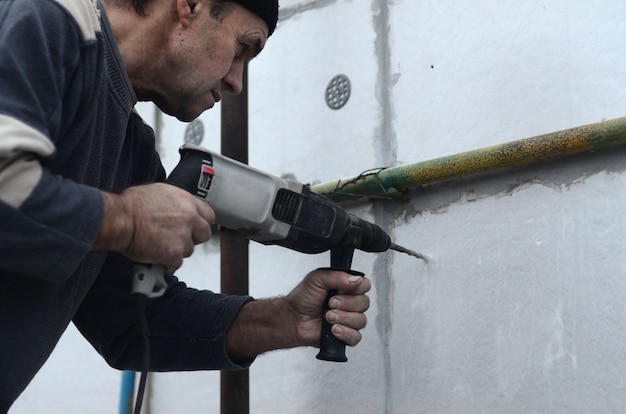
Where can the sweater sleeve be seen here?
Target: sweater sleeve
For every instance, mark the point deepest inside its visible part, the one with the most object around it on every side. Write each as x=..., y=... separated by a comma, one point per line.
x=187, y=326
x=47, y=222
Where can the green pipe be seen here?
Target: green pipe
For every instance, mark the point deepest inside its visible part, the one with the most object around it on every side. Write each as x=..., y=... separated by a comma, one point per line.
x=394, y=182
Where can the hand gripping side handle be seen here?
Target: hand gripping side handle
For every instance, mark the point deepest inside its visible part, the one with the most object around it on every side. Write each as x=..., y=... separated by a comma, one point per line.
x=331, y=348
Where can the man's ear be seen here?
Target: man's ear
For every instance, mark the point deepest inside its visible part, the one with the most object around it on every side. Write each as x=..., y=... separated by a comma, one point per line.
x=187, y=10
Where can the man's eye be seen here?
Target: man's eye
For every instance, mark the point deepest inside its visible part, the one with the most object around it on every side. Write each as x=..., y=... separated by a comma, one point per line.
x=243, y=49
x=249, y=49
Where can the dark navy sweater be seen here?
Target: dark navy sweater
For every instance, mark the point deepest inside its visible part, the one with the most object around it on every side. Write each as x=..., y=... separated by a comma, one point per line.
x=67, y=131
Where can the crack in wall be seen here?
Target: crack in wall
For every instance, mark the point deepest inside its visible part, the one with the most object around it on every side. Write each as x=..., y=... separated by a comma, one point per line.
x=385, y=141
x=385, y=146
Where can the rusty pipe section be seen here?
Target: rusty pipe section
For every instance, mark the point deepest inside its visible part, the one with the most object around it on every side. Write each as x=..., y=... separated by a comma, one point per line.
x=394, y=182
x=235, y=385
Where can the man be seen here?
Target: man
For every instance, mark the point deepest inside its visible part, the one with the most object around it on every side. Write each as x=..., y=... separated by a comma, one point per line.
x=81, y=198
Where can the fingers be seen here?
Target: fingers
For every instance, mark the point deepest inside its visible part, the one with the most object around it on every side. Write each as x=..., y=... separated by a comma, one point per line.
x=201, y=228
x=175, y=260
x=347, y=316
x=204, y=210
x=347, y=309
x=359, y=303
x=172, y=267
x=346, y=325
x=351, y=337
x=347, y=283
x=165, y=222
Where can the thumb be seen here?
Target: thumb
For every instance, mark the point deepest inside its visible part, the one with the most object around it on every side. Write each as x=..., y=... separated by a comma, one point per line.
x=343, y=280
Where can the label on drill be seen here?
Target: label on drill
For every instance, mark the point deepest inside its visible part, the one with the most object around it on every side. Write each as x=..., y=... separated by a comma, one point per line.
x=206, y=176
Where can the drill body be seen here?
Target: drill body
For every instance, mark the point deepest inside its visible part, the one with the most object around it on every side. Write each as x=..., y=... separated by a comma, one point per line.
x=270, y=210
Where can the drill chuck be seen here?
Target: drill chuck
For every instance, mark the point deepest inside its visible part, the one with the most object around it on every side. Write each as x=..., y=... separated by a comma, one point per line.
x=373, y=238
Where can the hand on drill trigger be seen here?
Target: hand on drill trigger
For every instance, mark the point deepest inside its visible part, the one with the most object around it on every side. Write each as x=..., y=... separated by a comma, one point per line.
x=347, y=308
x=154, y=223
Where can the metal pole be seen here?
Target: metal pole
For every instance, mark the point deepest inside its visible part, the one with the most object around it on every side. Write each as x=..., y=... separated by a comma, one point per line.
x=393, y=182
x=235, y=385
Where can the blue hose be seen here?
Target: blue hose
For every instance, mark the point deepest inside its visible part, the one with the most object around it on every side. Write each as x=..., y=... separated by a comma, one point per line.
x=127, y=392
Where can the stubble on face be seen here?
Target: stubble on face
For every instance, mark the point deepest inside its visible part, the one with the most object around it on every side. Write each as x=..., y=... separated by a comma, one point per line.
x=206, y=58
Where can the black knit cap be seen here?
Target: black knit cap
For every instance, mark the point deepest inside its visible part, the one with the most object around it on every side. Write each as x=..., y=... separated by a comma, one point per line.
x=265, y=9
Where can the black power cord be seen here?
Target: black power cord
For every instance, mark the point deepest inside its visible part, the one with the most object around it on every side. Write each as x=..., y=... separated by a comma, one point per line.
x=142, y=325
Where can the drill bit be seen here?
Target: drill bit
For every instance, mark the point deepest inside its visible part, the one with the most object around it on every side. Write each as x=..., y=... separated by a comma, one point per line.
x=401, y=249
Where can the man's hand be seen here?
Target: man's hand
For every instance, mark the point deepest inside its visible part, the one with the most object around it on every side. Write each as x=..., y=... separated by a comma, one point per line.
x=347, y=308
x=296, y=320
x=155, y=223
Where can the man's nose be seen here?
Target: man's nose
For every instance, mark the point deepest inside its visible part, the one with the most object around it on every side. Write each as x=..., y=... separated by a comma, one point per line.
x=233, y=80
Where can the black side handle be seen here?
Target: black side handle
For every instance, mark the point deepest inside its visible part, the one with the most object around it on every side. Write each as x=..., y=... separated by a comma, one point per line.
x=331, y=348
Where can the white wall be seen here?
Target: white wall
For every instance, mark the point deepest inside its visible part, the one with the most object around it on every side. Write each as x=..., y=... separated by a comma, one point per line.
x=521, y=307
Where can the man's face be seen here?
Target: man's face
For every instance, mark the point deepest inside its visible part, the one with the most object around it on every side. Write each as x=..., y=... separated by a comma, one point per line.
x=206, y=59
